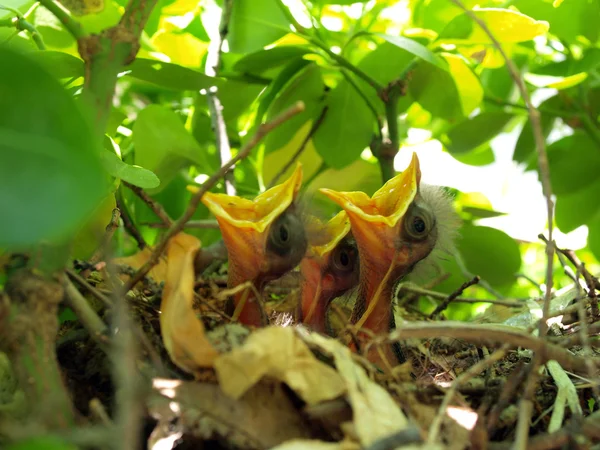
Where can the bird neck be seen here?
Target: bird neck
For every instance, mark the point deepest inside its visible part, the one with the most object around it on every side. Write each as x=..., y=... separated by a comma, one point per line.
x=245, y=308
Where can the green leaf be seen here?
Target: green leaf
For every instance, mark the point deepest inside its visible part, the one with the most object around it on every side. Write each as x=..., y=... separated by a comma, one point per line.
x=473, y=132
x=416, y=49
x=171, y=76
x=490, y=253
x=576, y=209
x=347, y=128
x=306, y=86
x=163, y=145
x=38, y=443
x=574, y=163
x=482, y=213
x=263, y=60
x=470, y=91
x=50, y=171
x=435, y=91
x=594, y=236
x=525, y=146
x=506, y=25
x=254, y=24
x=136, y=175
x=59, y=64
x=480, y=156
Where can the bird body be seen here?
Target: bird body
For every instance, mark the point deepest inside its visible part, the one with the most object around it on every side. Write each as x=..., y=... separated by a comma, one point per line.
x=264, y=238
x=394, y=229
x=329, y=269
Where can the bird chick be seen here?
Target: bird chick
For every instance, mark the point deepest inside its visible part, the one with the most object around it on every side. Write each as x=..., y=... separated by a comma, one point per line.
x=394, y=229
x=265, y=238
x=329, y=268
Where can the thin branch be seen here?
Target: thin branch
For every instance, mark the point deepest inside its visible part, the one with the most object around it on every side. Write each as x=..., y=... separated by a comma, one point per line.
x=107, y=236
x=152, y=204
x=20, y=23
x=443, y=305
x=487, y=333
x=203, y=224
x=313, y=129
x=213, y=63
x=179, y=225
x=128, y=223
x=540, y=145
x=414, y=289
x=72, y=25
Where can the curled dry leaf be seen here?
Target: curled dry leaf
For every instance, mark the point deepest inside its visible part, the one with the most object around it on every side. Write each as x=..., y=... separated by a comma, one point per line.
x=279, y=353
x=376, y=415
x=183, y=334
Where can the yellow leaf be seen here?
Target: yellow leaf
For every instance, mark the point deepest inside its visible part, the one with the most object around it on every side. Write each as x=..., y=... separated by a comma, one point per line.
x=506, y=25
x=310, y=159
x=469, y=87
x=183, y=334
x=559, y=83
x=158, y=273
x=279, y=353
x=182, y=48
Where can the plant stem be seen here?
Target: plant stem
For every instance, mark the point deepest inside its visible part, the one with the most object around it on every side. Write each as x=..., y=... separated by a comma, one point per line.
x=72, y=25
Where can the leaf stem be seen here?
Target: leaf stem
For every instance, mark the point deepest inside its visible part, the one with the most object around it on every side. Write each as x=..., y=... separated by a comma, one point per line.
x=72, y=25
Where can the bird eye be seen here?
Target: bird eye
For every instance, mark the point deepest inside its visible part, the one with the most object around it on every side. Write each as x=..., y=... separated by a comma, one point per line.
x=286, y=234
x=418, y=223
x=344, y=257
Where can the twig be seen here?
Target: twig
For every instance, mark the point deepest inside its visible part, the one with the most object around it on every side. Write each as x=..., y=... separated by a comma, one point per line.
x=443, y=305
x=21, y=24
x=177, y=226
x=475, y=370
x=212, y=224
x=441, y=296
x=313, y=129
x=213, y=62
x=402, y=438
x=99, y=412
x=91, y=289
x=88, y=317
x=153, y=204
x=128, y=223
x=497, y=334
x=72, y=25
x=107, y=237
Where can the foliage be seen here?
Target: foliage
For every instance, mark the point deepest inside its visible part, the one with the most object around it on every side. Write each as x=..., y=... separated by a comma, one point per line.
x=368, y=73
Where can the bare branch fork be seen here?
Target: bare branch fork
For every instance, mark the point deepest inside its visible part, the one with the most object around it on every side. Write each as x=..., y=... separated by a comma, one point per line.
x=179, y=225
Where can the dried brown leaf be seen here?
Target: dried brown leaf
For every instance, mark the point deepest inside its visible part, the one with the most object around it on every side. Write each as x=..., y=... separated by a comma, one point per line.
x=183, y=334
x=279, y=353
x=158, y=273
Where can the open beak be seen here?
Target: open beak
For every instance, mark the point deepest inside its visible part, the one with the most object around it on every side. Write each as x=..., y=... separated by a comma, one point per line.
x=376, y=225
x=319, y=284
x=244, y=225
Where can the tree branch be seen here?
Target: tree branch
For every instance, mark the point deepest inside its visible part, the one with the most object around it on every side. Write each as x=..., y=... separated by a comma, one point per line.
x=71, y=25
x=179, y=225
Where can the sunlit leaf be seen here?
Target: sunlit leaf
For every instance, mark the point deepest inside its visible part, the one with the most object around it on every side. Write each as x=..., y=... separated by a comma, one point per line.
x=490, y=253
x=308, y=87
x=263, y=60
x=171, y=76
x=506, y=25
x=574, y=210
x=347, y=128
x=50, y=174
x=182, y=48
x=254, y=24
x=558, y=83
x=60, y=64
x=480, y=156
x=574, y=163
x=473, y=132
x=482, y=213
x=469, y=87
x=163, y=145
x=309, y=158
x=416, y=49
x=138, y=176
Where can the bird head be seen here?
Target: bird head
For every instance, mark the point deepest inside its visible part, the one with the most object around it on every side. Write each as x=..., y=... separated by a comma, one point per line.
x=329, y=268
x=264, y=237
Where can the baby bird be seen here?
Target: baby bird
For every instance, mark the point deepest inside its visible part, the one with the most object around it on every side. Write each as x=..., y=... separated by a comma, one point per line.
x=394, y=230
x=265, y=238
x=329, y=269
